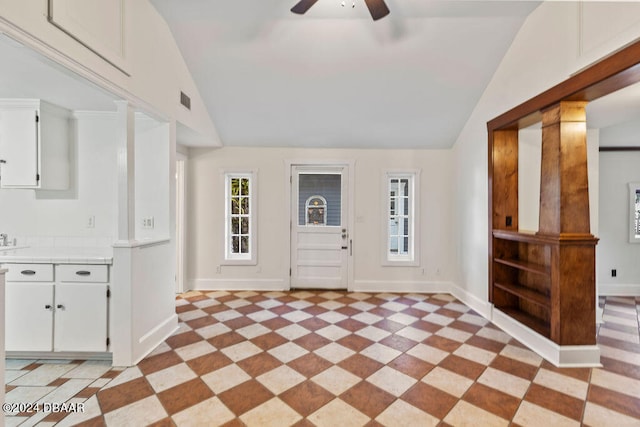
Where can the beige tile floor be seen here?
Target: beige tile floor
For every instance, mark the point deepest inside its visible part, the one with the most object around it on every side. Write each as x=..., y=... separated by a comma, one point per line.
x=338, y=358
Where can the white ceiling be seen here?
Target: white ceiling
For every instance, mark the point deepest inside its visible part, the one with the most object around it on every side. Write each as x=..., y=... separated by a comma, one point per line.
x=330, y=78
x=335, y=78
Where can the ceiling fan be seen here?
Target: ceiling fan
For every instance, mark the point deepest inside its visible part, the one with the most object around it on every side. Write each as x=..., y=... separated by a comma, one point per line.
x=377, y=8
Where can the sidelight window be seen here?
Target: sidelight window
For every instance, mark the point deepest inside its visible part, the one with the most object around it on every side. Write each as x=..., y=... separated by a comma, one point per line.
x=239, y=217
x=400, y=218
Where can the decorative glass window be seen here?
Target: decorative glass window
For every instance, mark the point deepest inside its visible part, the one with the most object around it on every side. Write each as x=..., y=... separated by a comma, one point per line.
x=328, y=187
x=316, y=210
x=239, y=217
x=400, y=218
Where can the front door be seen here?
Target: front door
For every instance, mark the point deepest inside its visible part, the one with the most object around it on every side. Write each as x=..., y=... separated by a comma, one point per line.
x=320, y=241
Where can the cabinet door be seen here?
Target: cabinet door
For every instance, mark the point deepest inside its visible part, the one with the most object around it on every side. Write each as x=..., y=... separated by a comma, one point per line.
x=19, y=147
x=81, y=317
x=29, y=316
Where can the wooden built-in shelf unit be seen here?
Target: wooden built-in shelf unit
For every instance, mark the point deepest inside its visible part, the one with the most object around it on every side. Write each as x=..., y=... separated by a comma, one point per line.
x=545, y=279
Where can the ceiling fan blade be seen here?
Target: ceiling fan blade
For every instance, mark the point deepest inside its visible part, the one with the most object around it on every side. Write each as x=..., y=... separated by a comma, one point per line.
x=377, y=8
x=302, y=6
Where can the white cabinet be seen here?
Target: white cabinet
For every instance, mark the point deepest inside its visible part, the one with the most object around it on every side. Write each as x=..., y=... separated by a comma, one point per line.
x=81, y=317
x=61, y=308
x=2, y=311
x=29, y=316
x=34, y=145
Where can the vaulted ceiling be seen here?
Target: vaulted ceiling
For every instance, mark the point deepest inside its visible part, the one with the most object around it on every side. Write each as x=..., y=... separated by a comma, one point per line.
x=335, y=78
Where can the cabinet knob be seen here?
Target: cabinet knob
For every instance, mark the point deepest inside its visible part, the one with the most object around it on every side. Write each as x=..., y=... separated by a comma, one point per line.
x=47, y=307
x=60, y=306
x=83, y=273
x=27, y=272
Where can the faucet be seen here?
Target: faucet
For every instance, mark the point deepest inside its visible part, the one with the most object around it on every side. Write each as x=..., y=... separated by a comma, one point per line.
x=3, y=240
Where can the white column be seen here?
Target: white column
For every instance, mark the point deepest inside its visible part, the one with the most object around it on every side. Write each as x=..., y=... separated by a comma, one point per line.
x=121, y=304
x=125, y=128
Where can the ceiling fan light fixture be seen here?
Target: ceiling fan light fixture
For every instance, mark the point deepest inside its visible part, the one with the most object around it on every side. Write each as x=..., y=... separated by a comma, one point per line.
x=377, y=8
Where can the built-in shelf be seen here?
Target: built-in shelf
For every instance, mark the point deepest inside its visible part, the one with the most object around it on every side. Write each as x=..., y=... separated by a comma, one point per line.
x=531, y=272
x=532, y=322
x=525, y=265
x=525, y=293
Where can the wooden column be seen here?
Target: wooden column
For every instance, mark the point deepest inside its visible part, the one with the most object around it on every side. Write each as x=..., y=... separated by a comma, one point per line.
x=503, y=200
x=564, y=218
x=504, y=156
x=564, y=186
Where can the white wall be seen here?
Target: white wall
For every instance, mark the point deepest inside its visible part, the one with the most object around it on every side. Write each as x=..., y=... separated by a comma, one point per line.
x=151, y=177
x=150, y=55
x=614, y=251
x=205, y=240
x=556, y=40
x=59, y=218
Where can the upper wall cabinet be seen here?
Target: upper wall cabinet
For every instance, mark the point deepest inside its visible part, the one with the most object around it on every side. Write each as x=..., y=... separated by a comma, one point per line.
x=34, y=145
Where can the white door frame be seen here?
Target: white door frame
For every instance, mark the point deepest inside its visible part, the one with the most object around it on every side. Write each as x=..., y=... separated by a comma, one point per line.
x=350, y=164
x=181, y=220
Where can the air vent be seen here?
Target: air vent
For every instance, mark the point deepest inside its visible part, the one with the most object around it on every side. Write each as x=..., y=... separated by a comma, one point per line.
x=185, y=100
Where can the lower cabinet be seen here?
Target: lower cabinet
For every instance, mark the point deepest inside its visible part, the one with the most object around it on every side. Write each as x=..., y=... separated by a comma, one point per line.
x=80, y=322
x=68, y=314
x=29, y=316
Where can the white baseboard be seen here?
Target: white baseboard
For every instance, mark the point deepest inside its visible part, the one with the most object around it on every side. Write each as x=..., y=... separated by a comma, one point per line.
x=480, y=306
x=58, y=355
x=621, y=290
x=561, y=356
x=423, y=287
x=238, y=284
x=152, y=339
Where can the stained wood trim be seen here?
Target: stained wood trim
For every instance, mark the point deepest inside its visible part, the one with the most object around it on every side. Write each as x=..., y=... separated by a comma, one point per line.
x=612, y=73
x=634, y=148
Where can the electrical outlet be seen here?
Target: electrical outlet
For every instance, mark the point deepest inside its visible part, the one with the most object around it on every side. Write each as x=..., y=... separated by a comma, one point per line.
x=91, y=221
x=147, y=222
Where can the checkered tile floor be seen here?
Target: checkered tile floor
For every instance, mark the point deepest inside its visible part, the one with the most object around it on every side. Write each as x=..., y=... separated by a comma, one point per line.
x=341, y=359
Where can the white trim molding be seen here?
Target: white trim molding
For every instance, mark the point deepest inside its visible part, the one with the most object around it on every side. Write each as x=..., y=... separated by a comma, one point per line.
x=414, y=286
x=155, y=337
x=239, y=284
x=634, y=227
x=572, y=356
x=484, y=308
x=619, y=290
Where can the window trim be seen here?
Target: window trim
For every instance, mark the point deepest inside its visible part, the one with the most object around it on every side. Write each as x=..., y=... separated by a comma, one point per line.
x=240, y=259
x=634, y=187
x=413, y=258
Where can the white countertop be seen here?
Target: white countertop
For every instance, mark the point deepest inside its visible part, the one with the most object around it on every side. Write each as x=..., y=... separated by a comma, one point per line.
x=57, y=255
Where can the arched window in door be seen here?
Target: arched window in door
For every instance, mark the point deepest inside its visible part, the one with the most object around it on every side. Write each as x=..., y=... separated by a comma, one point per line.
x=316, y=208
